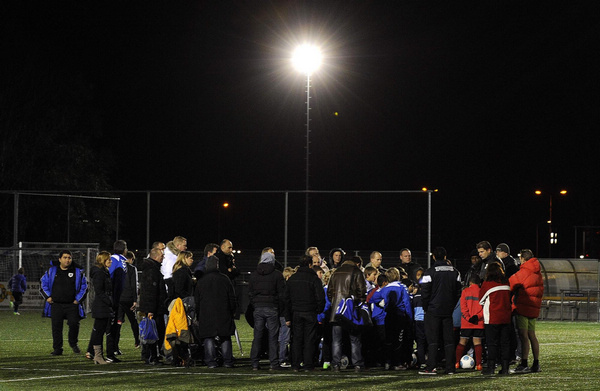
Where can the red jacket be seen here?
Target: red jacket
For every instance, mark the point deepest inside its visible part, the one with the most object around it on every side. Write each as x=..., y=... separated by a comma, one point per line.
x=527, y=286
x=469, y=306
x=495, y=299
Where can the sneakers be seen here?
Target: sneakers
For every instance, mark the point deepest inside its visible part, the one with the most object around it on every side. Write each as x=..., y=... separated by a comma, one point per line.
x=16, y=313
x=358, y=368
x=118, y=352
x=535, y=368
x=326, y=365
x=11, y=304
x=428, y=372
x=76, y=349
x=56, y=353
x=399, y=368
x=522, y=369
x=285, y=365
x=457, y=365
x=112, y=359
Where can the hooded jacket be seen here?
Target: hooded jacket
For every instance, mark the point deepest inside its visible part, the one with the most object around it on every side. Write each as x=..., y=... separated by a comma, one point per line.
x=469, y=307
x=346, y=281
x=266, y=285
x=215, y=303
x=332, y=266
x=47, y=282
x=527, y=286
x=102, y=306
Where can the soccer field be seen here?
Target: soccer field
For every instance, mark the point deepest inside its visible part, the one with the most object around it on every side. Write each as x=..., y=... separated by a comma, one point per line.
x=569, y=360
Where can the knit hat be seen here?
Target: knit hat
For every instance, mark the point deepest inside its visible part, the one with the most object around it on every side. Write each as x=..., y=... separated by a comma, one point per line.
x=267, y=258
x=503, y=247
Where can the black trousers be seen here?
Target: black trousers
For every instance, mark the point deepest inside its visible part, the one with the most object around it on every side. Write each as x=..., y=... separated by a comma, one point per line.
x=497, y=338
x=101, y=327
x=125, y=309
x=58, y=313
x=304, y=332
x=434, y=327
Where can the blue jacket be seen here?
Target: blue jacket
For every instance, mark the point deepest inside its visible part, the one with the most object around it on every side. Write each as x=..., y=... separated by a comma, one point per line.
x=378, y=313
x=418, y=307
x=324, y=316
x=17, y=283
x=395, y=298
x=118, y=276
x=47, y=281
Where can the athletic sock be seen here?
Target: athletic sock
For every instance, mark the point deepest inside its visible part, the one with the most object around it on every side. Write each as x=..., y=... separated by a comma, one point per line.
x=460, y=350
x=478, y=353
x=524, y=362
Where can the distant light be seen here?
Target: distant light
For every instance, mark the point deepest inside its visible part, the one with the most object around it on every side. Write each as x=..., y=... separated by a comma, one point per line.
x=336, y=113
x=563, y=192
x=549, y=221
x=226, y=205
x=307, y=59
x=424, y=189
x=538, y=192
x=581, y=256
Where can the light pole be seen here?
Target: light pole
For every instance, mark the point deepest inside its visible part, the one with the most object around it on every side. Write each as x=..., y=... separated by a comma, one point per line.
x=553, y=236
x=224, y=205
x=307, y=59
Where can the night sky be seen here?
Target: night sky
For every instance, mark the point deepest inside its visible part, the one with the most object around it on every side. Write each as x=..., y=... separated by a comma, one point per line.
x=485, y=101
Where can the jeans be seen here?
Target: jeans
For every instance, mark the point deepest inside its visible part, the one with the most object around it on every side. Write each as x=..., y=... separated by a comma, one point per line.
x=59, y=312
x=336, y=347
x=210, y=352
x=434, y=325
x=284, y=340
x=265, y=319
x=304, y=332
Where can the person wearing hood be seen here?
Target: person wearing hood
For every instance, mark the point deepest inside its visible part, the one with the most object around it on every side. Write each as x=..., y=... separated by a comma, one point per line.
x=527, y=286
x=266, y=288
x=171, y=251
x=215, y=308
x=102, y=306
x=336, y=255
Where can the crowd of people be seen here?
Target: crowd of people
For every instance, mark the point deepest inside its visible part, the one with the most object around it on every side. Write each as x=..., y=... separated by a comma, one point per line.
x=327, y=313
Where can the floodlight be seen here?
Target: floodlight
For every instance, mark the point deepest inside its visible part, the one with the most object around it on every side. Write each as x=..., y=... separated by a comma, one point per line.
x=307, y=59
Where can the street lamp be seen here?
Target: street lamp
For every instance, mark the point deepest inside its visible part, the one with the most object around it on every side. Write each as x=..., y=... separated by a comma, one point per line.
x=307, y=59
x=224, y=205
x=553, y=235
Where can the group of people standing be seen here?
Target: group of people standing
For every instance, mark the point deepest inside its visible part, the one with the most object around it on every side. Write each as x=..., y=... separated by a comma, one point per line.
x=296, y=313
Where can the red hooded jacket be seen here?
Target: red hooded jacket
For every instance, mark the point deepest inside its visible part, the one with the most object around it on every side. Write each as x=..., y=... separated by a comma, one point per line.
x=527, y=286
x=469, y=306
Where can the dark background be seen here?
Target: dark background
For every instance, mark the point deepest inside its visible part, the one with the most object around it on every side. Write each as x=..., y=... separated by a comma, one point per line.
x=485, y=101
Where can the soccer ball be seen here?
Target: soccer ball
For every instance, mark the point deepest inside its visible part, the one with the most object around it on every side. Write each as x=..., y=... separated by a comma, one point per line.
x=467, y=362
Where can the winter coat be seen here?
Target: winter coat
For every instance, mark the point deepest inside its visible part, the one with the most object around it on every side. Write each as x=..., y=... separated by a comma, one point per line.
x=440, y=289
x=469, y=307
x=494, y=297
x=304, y=293
x=130, y=290
x=17, y=283
x=177, y=328
x=527, y=286
x=183, y=284
x=171, y=253
x=226, y=262
x=346, y=281
x=47, y=281
x=102, y=306
x=411, y=269
x=266, y=287
x=153, y=293
x=215, y=303
x=118, y=274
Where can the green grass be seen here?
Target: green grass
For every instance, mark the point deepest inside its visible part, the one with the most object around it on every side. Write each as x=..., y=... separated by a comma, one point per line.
x=569, y=356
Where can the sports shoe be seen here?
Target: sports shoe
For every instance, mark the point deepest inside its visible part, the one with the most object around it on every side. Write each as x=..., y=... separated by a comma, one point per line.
x=457, y=365
x=535, y=368
x=399, y=368
x=76, y=349
x=326, y=365
x=17, y=313
x=118, y=352
x=522, y=369
x=428, y=372
x=479, y=367
x=11, y=304
x=358, y=368
x=450, y=373
x=112, y=359
x=56, y=352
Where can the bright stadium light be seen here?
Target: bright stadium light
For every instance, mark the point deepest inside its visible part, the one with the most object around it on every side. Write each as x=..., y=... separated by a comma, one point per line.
x=307, y=59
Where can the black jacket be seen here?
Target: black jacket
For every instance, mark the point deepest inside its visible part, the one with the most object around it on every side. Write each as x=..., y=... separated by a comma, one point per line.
x=304, y=293
x=266, y=287
x=440, y=289
x=226, y=262
x=153, y=293
x=183, y=284
x=511, y=266
x=130, y=294
x=215, y=303
x=102, y=306
x=410, y=269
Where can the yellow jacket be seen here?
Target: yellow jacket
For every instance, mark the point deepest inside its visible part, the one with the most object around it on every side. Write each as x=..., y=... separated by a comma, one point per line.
x=177, y=328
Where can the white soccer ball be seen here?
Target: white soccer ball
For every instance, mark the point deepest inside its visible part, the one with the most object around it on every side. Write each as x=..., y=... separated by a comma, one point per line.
x=467, y=362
